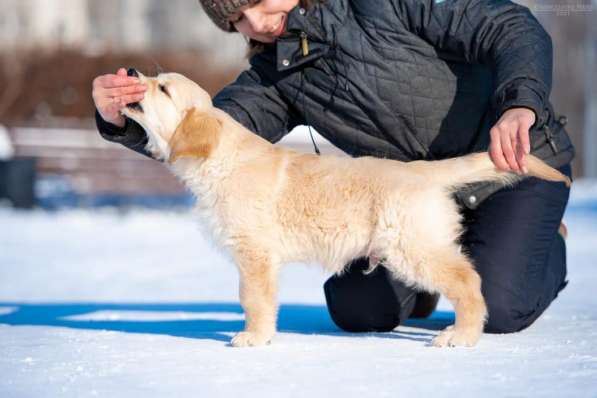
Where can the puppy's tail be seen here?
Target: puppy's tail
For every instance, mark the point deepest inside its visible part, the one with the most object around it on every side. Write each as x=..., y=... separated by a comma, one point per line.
x=478, y=167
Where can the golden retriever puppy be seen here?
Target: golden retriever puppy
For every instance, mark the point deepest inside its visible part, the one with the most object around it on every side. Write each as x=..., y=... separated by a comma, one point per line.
x=269, y=205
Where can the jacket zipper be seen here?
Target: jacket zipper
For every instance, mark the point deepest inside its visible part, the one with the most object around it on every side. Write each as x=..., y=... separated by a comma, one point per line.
x=304, y=44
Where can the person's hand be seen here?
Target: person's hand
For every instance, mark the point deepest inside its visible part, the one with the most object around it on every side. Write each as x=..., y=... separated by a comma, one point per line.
x=510, y=141
x=111, y=93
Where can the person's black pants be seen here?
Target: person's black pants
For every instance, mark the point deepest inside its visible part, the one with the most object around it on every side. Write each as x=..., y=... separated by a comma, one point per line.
x=513, y=241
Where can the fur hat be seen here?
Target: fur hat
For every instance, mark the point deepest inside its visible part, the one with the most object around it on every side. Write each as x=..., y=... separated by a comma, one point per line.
x=220, y=10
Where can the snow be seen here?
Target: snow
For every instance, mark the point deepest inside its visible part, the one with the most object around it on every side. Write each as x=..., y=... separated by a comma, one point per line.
x=138, y=303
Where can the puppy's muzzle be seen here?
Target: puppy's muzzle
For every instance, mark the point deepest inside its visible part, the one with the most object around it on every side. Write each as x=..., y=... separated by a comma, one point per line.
x=132, y=72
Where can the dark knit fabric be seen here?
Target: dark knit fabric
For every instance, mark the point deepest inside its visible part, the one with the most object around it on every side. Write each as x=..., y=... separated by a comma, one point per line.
x=220, y=10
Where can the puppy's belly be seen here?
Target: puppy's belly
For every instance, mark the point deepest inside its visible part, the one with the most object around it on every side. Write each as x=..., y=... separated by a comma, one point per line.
x=333, y=249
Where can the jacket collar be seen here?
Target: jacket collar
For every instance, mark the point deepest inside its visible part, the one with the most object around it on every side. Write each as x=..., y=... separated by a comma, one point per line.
x=317, y=23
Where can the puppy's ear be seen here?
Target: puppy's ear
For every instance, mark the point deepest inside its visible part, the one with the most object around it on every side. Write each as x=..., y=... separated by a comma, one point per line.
x=196, y=136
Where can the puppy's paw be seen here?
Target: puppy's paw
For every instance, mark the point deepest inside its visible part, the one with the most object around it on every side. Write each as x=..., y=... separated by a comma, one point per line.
x=443, y=338
x=250, y=339
x=451, y=337
x=465, y=338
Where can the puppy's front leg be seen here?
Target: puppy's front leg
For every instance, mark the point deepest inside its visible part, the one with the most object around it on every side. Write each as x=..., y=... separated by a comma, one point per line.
x=258, y=290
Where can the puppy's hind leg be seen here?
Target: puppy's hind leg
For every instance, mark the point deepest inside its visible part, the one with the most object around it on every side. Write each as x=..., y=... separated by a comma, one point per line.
x=455, y=277
x=258, y=291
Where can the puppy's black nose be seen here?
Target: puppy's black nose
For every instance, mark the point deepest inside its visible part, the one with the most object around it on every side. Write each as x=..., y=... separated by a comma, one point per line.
x=132, y=72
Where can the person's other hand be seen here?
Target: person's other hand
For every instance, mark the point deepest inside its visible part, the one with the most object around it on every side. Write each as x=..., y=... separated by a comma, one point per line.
x=510, y=141
x=111, y=93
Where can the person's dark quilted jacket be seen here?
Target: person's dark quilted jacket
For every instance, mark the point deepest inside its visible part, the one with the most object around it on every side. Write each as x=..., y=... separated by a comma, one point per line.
x=403, y=79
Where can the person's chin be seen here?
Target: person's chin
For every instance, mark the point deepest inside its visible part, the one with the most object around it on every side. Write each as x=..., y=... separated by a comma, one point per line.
x=267, y=39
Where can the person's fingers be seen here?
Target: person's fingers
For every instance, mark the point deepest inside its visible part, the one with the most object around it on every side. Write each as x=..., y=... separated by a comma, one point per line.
x=109, y=107
x=523, y=147
x=129, y=99
x=517, y=152
x=113, y=105
x=495, y=151
x=514, y=143
x=525, y=139
x=120, y=91
x=110, y=102
x=113, y=81
x=521, y=159
x=506, y=142
x=121, y=81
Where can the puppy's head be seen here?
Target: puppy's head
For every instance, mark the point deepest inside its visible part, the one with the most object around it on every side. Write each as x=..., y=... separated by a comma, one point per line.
x=175, y=114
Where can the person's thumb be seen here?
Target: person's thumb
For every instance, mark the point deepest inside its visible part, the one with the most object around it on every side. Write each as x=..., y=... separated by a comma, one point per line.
x=121, y=72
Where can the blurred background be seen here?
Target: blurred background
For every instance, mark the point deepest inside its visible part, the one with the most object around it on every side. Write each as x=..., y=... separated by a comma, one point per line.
x=50, y=51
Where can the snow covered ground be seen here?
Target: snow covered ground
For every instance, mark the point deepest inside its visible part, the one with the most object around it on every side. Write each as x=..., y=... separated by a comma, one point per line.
x=105, y=303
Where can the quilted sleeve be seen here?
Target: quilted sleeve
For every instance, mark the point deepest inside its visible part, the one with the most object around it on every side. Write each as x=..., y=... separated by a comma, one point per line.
x=254, y=101
x=499, y=33
x=131, y=135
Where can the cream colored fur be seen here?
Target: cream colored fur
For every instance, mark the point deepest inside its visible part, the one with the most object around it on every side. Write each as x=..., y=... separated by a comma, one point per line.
x=269, y=205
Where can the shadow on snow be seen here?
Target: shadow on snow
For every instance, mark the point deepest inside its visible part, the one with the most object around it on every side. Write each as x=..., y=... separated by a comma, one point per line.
x=293, y=318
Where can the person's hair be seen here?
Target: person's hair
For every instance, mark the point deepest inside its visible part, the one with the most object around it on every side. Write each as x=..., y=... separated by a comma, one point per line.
x=255, y=47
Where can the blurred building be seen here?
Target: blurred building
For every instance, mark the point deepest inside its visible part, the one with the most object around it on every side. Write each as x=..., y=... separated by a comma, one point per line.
x=58, y=47
x=116, y=25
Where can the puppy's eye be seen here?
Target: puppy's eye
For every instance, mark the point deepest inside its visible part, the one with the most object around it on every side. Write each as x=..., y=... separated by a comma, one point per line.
x=164, y=89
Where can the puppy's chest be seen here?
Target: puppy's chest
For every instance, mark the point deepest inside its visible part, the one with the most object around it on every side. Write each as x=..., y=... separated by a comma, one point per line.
x=210, y=212
x=212, y=224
